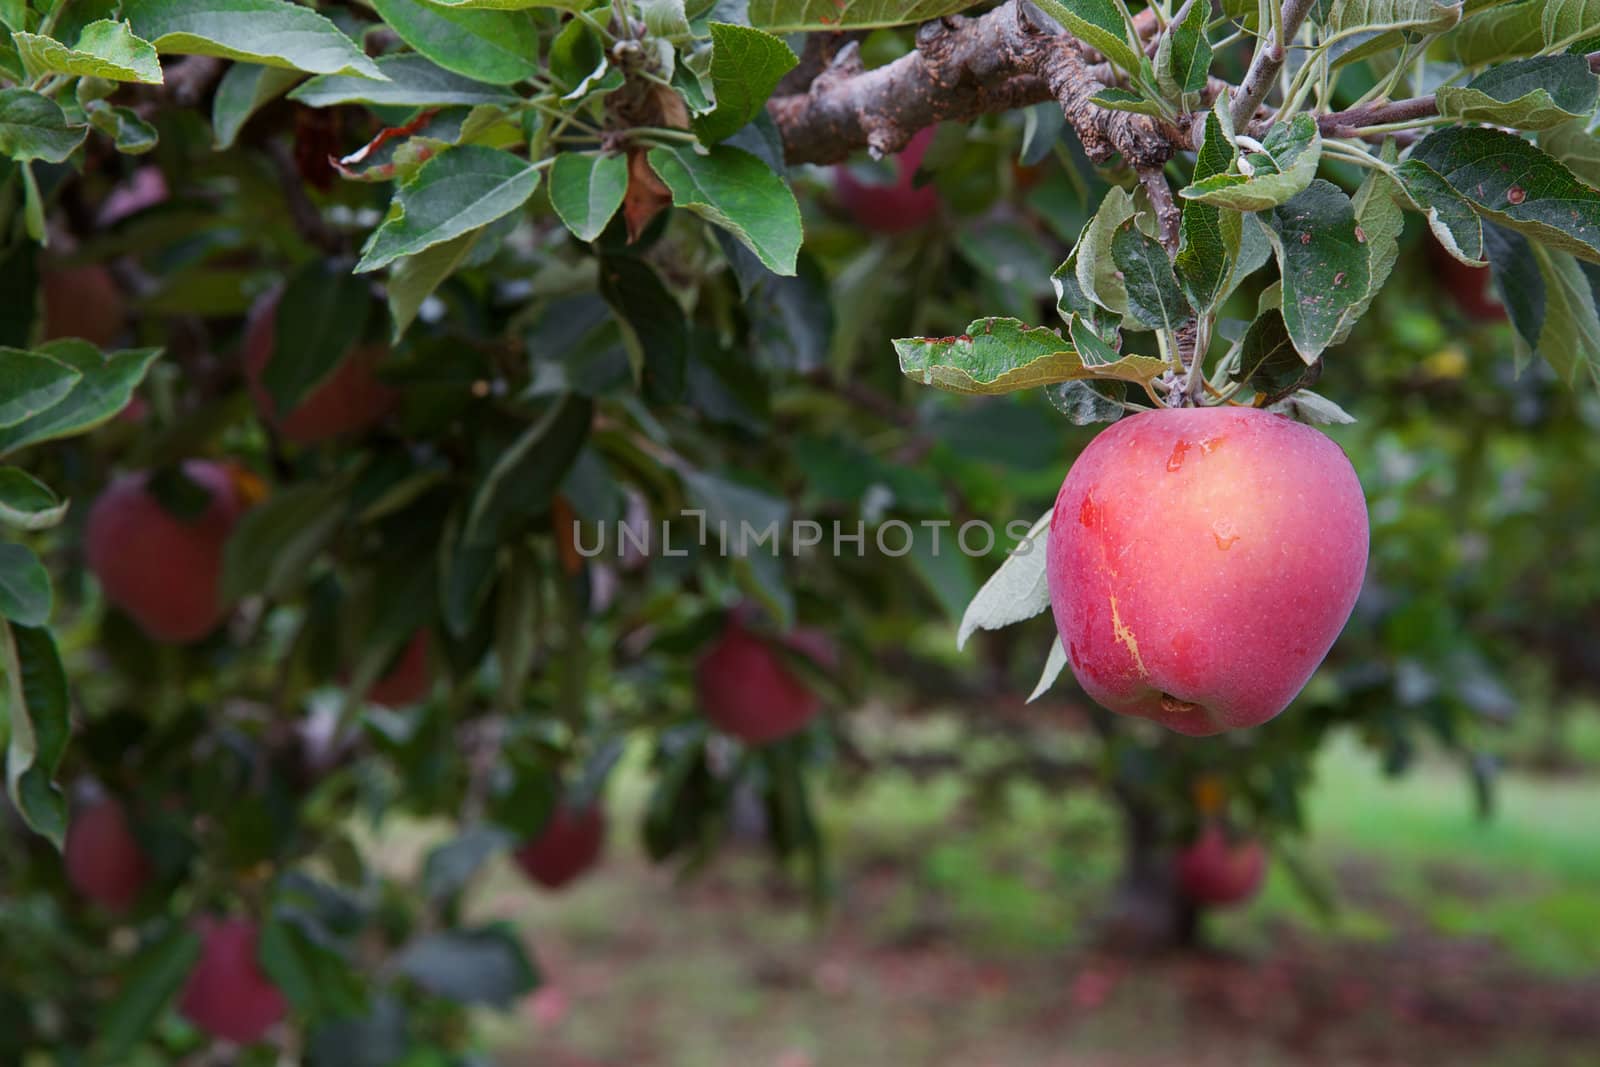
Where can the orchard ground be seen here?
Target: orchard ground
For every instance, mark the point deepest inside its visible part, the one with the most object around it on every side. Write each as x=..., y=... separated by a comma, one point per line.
x=963, y=938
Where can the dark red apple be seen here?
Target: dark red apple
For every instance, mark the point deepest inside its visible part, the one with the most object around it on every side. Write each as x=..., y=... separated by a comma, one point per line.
x=1216, y=871
x=890, y=208
x=567, y=847
x=163, y=570
x=103, y=859
x=1469, y=287
x=84, y=302
x=409, y=680
x=1201, y=562
x=227, y=995
x=350, y=400
x=747, y=690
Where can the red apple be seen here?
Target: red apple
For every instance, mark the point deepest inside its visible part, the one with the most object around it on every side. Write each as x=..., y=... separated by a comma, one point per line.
x=227, y=995
x=1201, y=562
x=83, y=302
x=1217, y=871
x=894, y=208
x=409, y=680
x=103, y=860
x=351, y=399
x=163, y=570
x=568, y=846
x=747, y=690
x=1468, y=286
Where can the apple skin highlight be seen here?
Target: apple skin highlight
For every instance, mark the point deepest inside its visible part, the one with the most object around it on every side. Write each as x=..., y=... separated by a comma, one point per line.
x=1201, y=562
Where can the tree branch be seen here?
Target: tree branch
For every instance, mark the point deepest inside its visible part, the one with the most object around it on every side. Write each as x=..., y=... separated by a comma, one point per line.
x=1267, y=62
x=963, y=68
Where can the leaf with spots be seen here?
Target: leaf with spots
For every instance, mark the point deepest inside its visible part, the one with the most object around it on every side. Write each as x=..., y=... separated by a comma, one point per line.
x=1450, y=215
x=1512, y=182
x=1268, y=362
x=1153, y=294
x=1323, y=265
x=1379, y=223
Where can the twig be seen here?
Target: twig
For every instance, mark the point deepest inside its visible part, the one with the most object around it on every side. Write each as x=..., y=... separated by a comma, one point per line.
x=1268, y=61
x=307, y=216
x=1168, y=215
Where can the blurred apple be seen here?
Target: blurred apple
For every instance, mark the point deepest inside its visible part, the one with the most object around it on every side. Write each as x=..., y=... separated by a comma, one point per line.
x=569, y=845
x=348, y=401
x=104, y=861
x=1216, y=871
x=227, y=995
x=894, y=207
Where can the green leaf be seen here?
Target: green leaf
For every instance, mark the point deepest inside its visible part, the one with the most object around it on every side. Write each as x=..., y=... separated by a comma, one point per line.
x=1095, y=266
x=414, y=81
x=32, y=126
x=1323, y=264
x=1379, y=223
x=106, y=49
x=1268, y=362
x=450, y=866
x=487, y=965
x=127, y=129
x=104, y=389
x=1265, y=179
x=656, y=320
x=1183, y=58
x=454, y=193
x=26, y=502
x=514, y=5
x=1153, y=294
x=1312, y=408
x=148, y=984
x=1085, y=403
x=1003, y=355
x=525, y=475
x=664, y=18
x=1016, y=591
x=1209, y=236
x=1569, y=335
x=31, y=383
x=1450, y=215
x=1510, y=181
x=1527, y=94
x=24, y=586
x=412, y=279
x=244, y=90
x=1103, y=24
x=1511, y=31
x=1576, y=148
x=276, y=541
x=1114, y=99
x=737, y=191
x=273, y=32
x=804, y=16
x=586, y=189
x=1356, y=29
x=746, y=66
x=499, y=47
x=38, y=710
x=317, y=321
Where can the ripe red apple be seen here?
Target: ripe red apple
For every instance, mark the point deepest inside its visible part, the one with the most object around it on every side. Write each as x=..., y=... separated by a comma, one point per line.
x=163, y=570
x=351, y=399
x=84, y=302
x=409, y=680
x=1468, y=286
x=103, y=860
x=227, y=995
x=747, y=690
x=1202, y=561
x=893, y=208
x=1217, y=871
x=566, y=848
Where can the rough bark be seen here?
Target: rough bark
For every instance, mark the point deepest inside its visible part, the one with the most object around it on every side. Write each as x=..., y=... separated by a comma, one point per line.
x=963, y=68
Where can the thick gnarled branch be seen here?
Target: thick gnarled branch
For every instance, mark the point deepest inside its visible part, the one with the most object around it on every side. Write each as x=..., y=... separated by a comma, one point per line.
x=963, y=68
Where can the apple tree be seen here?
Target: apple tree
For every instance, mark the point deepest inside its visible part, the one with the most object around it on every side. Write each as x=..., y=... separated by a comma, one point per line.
x=389, y=393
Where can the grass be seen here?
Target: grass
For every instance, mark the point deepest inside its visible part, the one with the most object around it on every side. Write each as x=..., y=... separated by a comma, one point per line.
x=960, y=938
